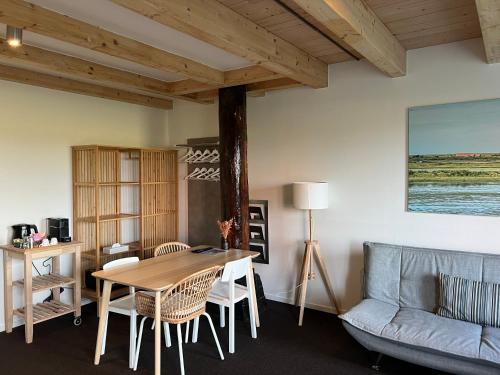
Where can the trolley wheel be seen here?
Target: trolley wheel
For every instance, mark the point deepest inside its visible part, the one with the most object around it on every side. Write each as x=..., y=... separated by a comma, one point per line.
x=77, y=321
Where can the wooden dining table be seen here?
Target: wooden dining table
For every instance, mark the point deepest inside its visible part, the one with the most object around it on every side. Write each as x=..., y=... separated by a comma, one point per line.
x=159, y=274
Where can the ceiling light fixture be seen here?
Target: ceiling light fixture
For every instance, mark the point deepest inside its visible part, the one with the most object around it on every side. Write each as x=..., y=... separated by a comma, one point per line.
x=14, y=36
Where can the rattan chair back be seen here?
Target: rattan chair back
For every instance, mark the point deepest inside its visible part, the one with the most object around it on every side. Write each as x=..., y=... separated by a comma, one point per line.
x=170, y=247
x=184, y=301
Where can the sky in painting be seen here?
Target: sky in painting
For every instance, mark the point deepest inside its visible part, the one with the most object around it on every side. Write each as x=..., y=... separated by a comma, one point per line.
x=472, y=127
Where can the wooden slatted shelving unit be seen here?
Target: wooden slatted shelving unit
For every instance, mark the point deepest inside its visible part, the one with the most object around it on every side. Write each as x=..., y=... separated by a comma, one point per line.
x=122, y=195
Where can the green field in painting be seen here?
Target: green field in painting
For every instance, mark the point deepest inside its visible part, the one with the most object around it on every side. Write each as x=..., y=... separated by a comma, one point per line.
x=451, y=168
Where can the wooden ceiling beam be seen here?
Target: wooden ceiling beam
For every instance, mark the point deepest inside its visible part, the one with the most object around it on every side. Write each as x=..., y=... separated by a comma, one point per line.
x=253, y=89
x=217, y=24
x=489, y=18
x=39, y=20
x=56, y=63
x=234, y=77
x=29, y=77
x=360, y=28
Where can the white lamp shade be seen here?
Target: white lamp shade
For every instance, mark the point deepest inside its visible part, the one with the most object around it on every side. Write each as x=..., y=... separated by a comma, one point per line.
x=310, y=195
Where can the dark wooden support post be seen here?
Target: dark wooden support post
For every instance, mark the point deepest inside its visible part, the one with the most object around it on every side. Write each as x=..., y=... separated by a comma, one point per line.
x=233, y=162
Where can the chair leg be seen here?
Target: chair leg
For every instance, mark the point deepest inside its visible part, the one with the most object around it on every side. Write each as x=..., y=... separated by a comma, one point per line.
x=105, y=336
x=166, y=334
x=196, y=326
x=251, y=312
x=222, y=316
x=215, y=335
x=187, y=331
x=231, y=328
x=181, y=355
x=132, y=340
x=138, y=346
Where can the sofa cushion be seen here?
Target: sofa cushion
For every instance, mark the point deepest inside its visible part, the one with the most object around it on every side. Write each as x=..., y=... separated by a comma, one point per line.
x=420, y=269
x=490, y=345
x=469, y=300
x=370, y=315
x=382, y=270
x=424, y=329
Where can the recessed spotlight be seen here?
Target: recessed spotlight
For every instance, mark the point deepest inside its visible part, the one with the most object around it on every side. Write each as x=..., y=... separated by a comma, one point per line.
x=14, y=36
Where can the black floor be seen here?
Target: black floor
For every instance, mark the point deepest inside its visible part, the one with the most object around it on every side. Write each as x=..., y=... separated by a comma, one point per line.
x=321, y=346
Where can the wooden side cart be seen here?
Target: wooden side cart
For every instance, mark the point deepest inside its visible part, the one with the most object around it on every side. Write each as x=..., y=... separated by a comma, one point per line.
x=40, y=312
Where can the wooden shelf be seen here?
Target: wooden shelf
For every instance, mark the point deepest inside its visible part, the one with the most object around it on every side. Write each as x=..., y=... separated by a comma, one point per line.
x=170, y=212
x=159, y=182
x=46, y=282
x=107, y=218
x=257, y=240
x=254, y=221
x=121, y=183
x=46, y=310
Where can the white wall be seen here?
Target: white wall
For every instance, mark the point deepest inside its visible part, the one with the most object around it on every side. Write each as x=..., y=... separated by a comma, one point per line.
x=353, y=135
x=37, y=129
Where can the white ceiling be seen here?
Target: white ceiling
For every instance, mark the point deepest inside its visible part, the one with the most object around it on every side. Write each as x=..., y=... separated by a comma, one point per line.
x=107, y=15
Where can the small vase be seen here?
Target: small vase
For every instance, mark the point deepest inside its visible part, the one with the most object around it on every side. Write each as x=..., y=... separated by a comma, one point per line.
x=225, y=244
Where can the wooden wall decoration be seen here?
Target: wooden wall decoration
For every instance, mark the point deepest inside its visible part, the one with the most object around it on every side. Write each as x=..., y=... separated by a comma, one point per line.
x=122, y=195
x=233, y=162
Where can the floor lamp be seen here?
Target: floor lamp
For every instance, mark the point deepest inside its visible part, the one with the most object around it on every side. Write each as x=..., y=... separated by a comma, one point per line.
x=312, y=196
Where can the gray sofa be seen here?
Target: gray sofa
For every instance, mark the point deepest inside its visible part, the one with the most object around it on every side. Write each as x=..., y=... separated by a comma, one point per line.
x=396, y=316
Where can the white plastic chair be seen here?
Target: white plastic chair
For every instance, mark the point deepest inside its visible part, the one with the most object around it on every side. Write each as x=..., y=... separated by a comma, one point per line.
x=226, y=293
x=126, y=306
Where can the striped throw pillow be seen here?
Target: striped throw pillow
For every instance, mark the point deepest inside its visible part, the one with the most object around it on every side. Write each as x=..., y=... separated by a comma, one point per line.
x=473, y=301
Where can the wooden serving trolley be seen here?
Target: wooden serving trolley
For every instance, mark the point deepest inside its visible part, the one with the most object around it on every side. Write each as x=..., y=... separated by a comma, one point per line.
x=33, y=314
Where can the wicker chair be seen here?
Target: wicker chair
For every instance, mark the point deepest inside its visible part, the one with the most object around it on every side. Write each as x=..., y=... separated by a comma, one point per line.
x=170, y=247
x=182, y=303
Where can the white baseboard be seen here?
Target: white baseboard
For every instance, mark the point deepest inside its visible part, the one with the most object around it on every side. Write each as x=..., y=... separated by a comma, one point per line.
x=313, y=306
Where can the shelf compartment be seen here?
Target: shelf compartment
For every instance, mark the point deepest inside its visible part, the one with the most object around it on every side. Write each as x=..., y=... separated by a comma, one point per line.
x=46, y=282
x=91, y=294
x=255, y=221
x=47, y=310
x=134, y=247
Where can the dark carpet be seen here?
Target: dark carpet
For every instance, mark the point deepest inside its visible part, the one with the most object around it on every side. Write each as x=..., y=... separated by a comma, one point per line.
x=321, y=346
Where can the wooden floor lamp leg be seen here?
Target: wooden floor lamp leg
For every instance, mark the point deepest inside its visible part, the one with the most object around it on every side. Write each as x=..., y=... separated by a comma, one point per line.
x=305, y=278
x=324, y=275
x=298, y=290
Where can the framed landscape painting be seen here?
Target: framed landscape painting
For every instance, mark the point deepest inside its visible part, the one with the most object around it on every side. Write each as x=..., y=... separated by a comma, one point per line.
x=454, y=158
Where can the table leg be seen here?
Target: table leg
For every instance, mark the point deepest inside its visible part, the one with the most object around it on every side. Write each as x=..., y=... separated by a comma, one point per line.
x=56, y=268
x=7, y=291
x=28, y=300
x=77, y=292
x=251, y=284
x=106, y=293
x=157, y=333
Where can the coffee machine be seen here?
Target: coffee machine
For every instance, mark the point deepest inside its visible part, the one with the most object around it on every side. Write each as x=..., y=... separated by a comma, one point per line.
x=59, y=228
x=24, y=230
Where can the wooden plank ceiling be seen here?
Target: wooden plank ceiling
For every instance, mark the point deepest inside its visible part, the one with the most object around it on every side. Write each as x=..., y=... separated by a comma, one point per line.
x=276, y=44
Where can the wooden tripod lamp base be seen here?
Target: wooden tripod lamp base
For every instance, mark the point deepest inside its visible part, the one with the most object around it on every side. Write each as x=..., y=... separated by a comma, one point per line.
x=312, y=196
x=313, y=249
